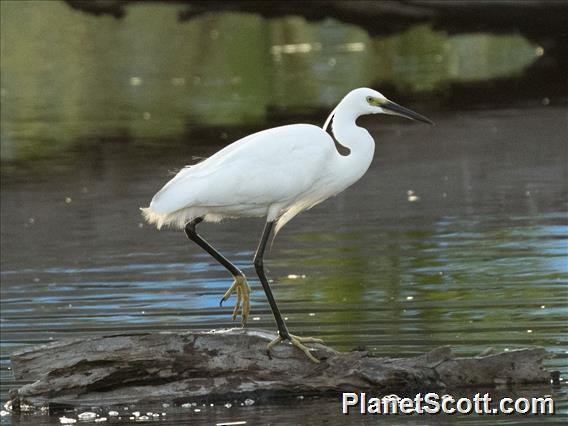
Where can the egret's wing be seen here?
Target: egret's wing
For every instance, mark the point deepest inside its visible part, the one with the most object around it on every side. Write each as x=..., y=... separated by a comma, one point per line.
x=212, y=163
x=272, y=166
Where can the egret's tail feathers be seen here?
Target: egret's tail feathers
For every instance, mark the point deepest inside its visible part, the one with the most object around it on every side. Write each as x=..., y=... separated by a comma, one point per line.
x=177, y=219
x=152, y=217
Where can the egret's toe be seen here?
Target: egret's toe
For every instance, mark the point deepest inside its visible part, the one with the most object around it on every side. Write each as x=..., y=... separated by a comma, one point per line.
x=308, y=339
x=297, y=342
x=242, y=305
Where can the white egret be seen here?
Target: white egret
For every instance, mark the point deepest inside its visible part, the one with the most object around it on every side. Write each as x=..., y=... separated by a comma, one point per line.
x=276, y=173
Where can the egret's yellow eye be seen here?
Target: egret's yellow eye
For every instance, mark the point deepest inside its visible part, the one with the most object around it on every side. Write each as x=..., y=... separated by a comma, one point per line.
x=374, y=101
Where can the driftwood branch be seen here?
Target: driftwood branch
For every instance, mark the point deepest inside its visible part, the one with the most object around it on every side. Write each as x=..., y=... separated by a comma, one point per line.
x=220, y=365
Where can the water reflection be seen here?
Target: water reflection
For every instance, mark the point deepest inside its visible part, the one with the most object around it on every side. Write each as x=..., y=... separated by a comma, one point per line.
x=458, y=235
x=72, y=76
x=479, y=260
x=457, y=276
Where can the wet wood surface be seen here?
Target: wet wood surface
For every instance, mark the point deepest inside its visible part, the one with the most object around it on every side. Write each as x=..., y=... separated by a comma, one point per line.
x=218, y=365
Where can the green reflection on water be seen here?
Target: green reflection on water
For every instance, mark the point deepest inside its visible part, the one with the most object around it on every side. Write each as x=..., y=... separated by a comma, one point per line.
x=67, y=76
x=486, y=286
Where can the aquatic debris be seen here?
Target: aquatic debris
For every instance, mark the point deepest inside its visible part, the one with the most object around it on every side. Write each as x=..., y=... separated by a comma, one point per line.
x=249, y=402
x=412, y=197
x=101, y=419
x=186, y=405
x=261, y=374
x=4, y=413
x=197, y=410
x=136, y=413
x=142, y=418
x=228, y=405
x=67, y=420
x=113, y=413
x=87, y=415
x=238, y=422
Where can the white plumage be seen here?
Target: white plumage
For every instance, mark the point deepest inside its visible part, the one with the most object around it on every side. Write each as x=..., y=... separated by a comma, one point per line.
x=275, y=173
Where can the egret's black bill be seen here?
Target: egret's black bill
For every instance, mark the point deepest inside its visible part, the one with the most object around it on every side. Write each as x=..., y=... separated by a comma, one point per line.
x=405, y=112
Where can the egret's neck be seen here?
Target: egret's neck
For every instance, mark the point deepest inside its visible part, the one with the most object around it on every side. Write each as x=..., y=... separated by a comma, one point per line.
x=359, y=142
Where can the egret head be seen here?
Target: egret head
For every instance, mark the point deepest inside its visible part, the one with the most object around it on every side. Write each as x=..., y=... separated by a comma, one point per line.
x=365, y=101
x=369, y=101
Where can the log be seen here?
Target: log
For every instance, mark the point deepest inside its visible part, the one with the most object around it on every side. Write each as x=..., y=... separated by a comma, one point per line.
x=228, y=364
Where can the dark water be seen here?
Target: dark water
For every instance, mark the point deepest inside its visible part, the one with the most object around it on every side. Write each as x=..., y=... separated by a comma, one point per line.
x=478, y=260
x=457, y=235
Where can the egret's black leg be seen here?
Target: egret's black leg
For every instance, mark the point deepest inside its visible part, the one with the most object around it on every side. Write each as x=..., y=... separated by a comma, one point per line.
x=240, y=284
x=192, y=234
x=259, y=266
x=283, y=333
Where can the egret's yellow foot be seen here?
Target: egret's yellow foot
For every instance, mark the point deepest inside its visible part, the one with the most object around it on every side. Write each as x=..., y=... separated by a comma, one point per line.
x=242, y=306
x=297, y=341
